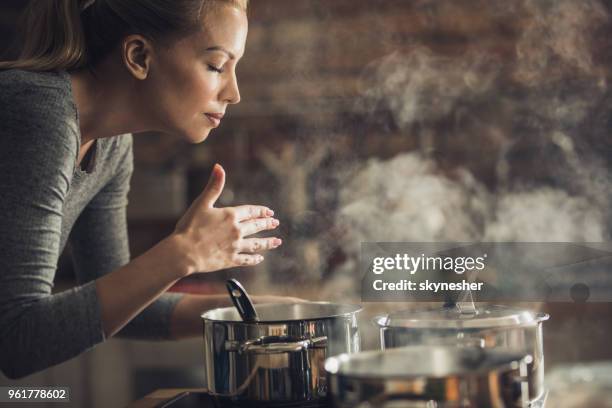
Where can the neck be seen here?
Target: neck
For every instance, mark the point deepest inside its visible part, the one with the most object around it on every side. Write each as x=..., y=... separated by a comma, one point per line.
x=105, y=103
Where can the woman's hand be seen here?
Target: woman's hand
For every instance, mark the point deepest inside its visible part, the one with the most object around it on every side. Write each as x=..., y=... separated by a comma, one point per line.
x=212, y=238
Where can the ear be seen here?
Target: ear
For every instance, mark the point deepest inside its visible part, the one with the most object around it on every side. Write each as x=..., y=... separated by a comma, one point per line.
x=137, y=52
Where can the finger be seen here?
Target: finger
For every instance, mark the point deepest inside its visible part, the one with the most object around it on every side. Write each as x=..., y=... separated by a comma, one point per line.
x=257, y=225
x=247, y=260
x=249, y=212
x=213, y=189
x=252, y=245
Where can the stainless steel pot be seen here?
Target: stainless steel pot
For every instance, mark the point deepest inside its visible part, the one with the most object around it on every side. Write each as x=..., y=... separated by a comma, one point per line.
x=429, y=377
x=488, y=326
x=280, y=358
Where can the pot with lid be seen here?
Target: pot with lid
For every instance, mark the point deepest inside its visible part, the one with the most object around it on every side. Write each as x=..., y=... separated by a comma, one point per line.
x=429, y=377
x=279, y=358
x=488, y=326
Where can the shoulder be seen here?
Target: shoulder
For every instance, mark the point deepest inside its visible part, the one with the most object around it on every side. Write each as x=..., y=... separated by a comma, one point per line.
x=37, y=89
x=123, y=149
x=124, y=142
x=116, y=165
x=119, y=156
x=35, y=104
x=34, y=78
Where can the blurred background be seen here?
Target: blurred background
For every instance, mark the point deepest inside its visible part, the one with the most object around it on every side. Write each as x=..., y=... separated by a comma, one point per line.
x=383, y=120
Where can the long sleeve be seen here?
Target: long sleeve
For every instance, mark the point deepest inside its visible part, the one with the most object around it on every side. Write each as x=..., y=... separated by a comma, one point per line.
x=100, y=245
x=38, y=150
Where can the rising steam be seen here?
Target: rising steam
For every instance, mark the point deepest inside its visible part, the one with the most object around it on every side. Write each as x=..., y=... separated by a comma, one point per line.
x=551, y=186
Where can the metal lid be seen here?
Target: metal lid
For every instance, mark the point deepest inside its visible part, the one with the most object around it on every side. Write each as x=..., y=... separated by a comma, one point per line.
x=482, y=317
x=424, y=362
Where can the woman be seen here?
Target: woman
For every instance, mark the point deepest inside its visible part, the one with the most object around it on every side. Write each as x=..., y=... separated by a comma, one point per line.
x=90, y=74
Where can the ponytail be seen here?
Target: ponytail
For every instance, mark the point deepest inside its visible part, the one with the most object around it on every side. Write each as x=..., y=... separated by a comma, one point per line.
x=73, y=34
x=53, y=37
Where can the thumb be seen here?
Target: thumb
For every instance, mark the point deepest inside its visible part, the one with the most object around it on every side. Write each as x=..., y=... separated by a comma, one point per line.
x=215, y=185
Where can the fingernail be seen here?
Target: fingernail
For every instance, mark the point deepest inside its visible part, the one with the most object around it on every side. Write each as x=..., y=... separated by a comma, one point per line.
x=269, y=212
x=277, y=242
x=260, y=258
x=275, y=222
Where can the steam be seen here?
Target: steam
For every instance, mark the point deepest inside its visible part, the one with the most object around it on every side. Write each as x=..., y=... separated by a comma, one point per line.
x=408, y=199
x=541, y=103
x=545, y=215
x=421, y=86
x=520, y=107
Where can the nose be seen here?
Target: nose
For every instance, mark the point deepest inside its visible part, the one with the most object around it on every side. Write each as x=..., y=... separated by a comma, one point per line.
x=230, y=92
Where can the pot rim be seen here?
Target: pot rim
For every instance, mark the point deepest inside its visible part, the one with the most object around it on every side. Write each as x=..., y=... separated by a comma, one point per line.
x=355, y=309
x=505, y=317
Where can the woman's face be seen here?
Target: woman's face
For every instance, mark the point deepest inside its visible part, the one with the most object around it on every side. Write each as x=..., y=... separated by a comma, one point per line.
x=192, y=82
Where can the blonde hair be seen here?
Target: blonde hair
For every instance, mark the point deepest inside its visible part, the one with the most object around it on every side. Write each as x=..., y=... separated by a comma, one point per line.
x=73, y=34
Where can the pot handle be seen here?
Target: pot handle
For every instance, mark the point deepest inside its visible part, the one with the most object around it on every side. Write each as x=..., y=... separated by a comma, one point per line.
x=518, y=388
x=272, y=345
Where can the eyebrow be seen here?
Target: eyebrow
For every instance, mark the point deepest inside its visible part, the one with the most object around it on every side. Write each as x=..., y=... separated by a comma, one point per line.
x=222, y=49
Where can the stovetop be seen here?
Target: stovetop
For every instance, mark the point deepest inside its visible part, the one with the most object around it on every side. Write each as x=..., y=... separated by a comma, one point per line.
x=205, y=400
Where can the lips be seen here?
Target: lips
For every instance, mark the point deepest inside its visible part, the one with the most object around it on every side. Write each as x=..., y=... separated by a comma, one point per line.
x=214, y=118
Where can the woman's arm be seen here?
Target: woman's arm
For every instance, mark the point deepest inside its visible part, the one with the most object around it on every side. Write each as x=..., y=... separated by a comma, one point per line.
x=38, y=148
x=125, y=292
x=100, y=245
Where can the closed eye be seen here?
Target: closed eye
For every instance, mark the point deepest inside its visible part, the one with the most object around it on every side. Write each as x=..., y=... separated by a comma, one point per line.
x=215, y=69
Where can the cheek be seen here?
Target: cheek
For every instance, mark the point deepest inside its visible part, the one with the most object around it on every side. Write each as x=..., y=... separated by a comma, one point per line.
x=198, y=92
x=181, y=95
x=197, y=96
x=189, y=88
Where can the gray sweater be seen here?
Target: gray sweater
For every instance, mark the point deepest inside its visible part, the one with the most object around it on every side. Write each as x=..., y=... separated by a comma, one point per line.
x=47, y=200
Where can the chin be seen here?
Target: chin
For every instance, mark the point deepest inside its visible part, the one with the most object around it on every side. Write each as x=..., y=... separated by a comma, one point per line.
x=196, y=137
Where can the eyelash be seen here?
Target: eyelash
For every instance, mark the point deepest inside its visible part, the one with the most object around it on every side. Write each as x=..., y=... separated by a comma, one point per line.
x=215, y=69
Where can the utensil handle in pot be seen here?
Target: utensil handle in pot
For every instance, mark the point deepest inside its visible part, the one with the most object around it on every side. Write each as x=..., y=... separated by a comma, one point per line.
x=268, y=345
x=242, y=301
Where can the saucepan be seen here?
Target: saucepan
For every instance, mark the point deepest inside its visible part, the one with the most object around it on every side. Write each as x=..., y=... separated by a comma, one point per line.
x=487, y=326
x=279, y=356
x=430, y=377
